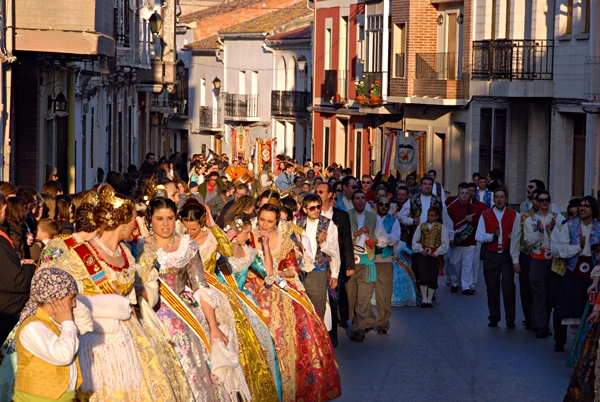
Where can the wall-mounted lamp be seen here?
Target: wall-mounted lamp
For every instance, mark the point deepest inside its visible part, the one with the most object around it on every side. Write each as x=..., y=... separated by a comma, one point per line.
x=216, y=83
x=460, y=18
x=440, y=19
x=180, y=67
x=302, y=63
x=155, y=22
x=60, y=102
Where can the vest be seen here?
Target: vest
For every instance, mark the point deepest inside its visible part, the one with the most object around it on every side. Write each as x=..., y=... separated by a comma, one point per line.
x=321, y=259
x=490, y=221
x=574, y=227
x=416, y=208
x=36, y=376
x=388, y=224
x=431, y=238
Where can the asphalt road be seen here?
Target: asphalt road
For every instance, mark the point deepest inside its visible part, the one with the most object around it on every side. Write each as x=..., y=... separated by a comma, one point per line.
x=448, y=353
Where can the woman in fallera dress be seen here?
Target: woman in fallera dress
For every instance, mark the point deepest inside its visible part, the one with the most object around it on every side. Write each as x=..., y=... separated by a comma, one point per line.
x=309, y=370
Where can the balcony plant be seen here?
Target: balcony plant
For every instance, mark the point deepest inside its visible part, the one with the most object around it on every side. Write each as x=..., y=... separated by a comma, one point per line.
x=360, y=91
x=375, y=92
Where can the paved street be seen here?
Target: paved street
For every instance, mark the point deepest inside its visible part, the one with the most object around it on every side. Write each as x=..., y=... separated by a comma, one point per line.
x=449, y=354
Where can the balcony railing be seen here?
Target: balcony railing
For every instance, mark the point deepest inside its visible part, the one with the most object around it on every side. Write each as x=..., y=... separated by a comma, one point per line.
x=122, y=18
x=286, y=103
x=514, y=60
x=592, y=79
x=438, y=66
x=162, y=103
x=369, y=79
x=335, y=86
x=238, y=105
x=399, y=66
x=210, y=118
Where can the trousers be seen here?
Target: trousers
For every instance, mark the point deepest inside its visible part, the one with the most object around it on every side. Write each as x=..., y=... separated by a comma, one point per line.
x=315, y=283
x=359, y=298
x=498, y=273
x=383, y=296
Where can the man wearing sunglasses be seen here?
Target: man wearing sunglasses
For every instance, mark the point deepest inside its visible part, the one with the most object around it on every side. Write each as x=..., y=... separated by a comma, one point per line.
x=537, y=230
x=323, y=253
x=387, y=231
x=349, y=186
x=341, y=219
x=366, y=183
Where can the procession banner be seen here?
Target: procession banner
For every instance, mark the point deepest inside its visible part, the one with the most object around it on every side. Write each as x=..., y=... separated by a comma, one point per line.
x=410, y=152
x=265, y=151
x=239, y=143
x=388, y=148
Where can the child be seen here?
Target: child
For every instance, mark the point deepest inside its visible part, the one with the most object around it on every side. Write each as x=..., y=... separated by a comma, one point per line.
x=431, y=240
x=46, y=341
x=46, y=230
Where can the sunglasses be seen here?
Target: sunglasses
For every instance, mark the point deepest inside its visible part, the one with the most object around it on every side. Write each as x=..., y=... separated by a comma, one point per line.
x=384, y=204
x=531, y=186
x=314, y=208
x=367, y=182
x=354, y=187
x=572, y=213
x=338, y=190
x=543, y=199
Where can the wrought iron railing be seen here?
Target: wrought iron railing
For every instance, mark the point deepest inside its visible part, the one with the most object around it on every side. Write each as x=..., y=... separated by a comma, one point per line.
x=289, y=102
x=239, y=105
x=335, y=86
x=122, y=21
x=210, y=118
x=399, y=65
x=437, y=66
x=514, y=60
x=369, y=79
x=592, y=79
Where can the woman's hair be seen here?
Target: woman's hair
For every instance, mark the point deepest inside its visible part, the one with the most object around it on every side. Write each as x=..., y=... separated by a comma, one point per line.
x=49, y=206
x=63, y=207
x=84, y=218
x=16, y=210
x=288, y=213
x=112, y=210
x=238, y=222
x=270, y=208
x=593, y=204
x=156, y=204
x=52, y=188
x=185, y=186
x=76, y=200
x=7, y=188
x=25, y=194
x=239, y=206
x=227, y=187
x=268, y=194
x=193, y=211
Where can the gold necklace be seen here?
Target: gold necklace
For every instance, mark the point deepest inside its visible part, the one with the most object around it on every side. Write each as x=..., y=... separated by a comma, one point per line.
x=169, y=244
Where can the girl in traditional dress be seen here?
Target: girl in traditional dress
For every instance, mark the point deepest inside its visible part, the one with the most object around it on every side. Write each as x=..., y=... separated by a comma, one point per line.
x=117, y=359
x=304, y=348
x=211, y=240
x=183, y=281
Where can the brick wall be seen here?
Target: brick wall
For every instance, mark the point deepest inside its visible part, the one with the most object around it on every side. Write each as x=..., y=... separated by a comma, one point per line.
x=211, y=25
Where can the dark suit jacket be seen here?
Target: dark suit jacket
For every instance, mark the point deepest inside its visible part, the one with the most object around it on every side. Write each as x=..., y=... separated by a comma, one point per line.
x=15, y=280
x=341, y=219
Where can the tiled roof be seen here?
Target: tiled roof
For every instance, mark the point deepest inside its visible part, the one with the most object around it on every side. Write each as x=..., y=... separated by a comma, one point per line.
x=269, y=21
x=300, y=33
x=206, y=43
x=220, y=9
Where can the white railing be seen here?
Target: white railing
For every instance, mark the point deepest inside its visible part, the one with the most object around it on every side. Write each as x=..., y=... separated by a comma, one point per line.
x=592, y=79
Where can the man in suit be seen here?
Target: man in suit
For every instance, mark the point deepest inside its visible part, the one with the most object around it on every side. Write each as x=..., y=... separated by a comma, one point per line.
x=362, y=282
x=341, y=219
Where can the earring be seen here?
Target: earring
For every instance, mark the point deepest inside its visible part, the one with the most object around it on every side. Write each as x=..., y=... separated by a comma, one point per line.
x=123, y=231
x=151, y=230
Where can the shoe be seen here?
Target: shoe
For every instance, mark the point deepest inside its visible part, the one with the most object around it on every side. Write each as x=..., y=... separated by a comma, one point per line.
x=454, y=289
x=368, y=329
x=433, y=298
x=424, y=305
x=468, y=292
x=344, y=324
x=429, y=305
x=448, y=283
x=559, y=348
x=511, y=325
x=541, y=334
x=334, y=338
x=492, y=324
x=528, y=326
x=357, y=336
x=382, y=332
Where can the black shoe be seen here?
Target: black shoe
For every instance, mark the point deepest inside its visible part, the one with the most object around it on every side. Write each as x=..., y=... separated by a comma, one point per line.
x=424, y=305
x=357, y=336
x=454, y=289
x=542, y=334
x=368, y=329
x=468, y=292
x=492, y=324
x=334, y=338
x=529, y=327
x=382, y=332
x=559, y=348
x=511, y=325
x=433, y=298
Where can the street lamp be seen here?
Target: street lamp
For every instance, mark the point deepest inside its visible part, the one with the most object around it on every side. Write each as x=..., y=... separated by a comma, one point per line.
x=216, y=83
x=155, y=22
x=60, y=102
x=180, y=67
x=302, y=64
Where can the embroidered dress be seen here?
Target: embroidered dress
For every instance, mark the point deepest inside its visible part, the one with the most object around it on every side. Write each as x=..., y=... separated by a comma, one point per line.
x=180, y=269
x=117, y=359
x=239, y=267
x=404, y=292
x=309, y=372
x=230, y=312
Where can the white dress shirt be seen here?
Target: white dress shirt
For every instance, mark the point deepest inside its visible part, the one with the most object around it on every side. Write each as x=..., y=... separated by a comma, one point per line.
x=416, y=242
x=539, y=239
x=61, y=350
x=404, y=214
x=515, y=245
x=330, y=246
x=561, y=242
x=390, y=239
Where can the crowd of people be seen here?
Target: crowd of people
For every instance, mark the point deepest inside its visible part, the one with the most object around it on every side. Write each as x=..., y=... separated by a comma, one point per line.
x=202, y=280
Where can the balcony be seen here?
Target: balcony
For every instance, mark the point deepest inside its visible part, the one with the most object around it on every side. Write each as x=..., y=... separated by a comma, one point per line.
x=241, y=107
x=66, y=27
x=289, y=103
x=592, y=79
x=162, y=103
x=438, y=66
x=133, y=36
x=399, y=65
x=513, y=60
x=512, y=68
x=335, y=87
x=210, y=119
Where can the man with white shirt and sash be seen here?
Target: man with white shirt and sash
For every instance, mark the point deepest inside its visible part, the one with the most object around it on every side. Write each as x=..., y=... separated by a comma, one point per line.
x=387, y=232
x=499, y=231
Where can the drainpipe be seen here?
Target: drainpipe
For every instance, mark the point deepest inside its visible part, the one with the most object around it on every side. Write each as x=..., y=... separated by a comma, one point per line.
x=71, y=77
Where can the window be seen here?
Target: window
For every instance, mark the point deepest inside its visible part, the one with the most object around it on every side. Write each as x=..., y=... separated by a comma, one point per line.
x=399, y=49
x=327, y=53
x=492, y=140
x=203, y=92
x=569, y=28
x=326, y=144
x=586, y=16
x=242, y=83
x=374, y=42
x=578, y=174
